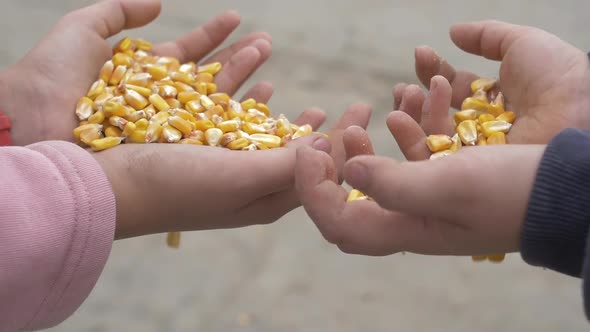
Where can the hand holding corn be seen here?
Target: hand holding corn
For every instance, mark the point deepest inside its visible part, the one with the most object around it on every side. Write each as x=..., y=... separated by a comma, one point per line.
x=41, y=90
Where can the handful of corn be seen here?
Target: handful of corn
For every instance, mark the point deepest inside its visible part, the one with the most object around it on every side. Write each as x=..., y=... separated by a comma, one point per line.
x=143, y=98
x=483, y=120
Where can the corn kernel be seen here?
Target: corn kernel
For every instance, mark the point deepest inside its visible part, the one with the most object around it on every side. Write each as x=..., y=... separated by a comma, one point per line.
x=188, y=68
x=117, y=75
x=467, y=131
x=106, y=71
x=171, y=134
x=212, y=68
x=497, y=105
x=485, y=118
x=270, y=141
x=207, y=102
x=182, y=77
x=190, y=141
x=153, y=132
x=213, y=136
x=84, y=108
x=78, y=130
x=481, y=95
x=238, y=144
x=157, y=72
x=198, y=135
x=475, y=104
x=136, y=116
x=137, y=137
x=499, y=258
x=438, y=143
x=491, y=127
x=248, y=104
x=141, y=79
x=143, y=45
x=485, y=84
x=468, y=114
x=187, y=96
x=105, y=143
x=173, y=240
x=497, y=138
x=182, y=125
x=355, y=195
x=135, y=100
x=144, y=92
x=457, y=144
x=204, y=77
x=173, y=103
x=97, y=117
x=167, y=91
x=228, y=126
x=478, y=258
x=122, y=59
x=251, y=147
x=96, y=89
x=118, y=122
x=112, y=108
x=481, y=140
x=159, y=103
x=440, y=154
x=113, y=132
x=303, y=131
x=142, y=124
x=507, y=116
x=123, y=45
x=228, y=138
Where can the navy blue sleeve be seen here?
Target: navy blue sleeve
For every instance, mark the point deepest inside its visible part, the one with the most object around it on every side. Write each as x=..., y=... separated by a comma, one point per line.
x=555, y=231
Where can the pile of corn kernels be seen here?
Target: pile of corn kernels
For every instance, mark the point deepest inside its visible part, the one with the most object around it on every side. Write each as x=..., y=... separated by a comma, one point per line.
x=143, y=98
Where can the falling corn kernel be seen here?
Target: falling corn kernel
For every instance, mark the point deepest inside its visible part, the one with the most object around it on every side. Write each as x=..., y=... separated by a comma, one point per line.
x=173, y=240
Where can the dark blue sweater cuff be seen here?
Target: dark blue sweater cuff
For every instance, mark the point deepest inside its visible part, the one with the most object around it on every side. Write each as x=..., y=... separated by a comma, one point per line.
x=555, y=230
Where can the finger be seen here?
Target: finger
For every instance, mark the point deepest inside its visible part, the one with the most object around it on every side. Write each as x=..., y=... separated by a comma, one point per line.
x=261, y=92
x=398, y=93
x=429, y=64
x=357, y=142
x=412, y=101
x=242, y=65
x=409, y=136
x=226, y=53
x=196, y=44
x=490, y=39
x=407, y=187
x=356, y=227
x=315, y=117
x=277, y=166
x=435, y=110
x=108, y=18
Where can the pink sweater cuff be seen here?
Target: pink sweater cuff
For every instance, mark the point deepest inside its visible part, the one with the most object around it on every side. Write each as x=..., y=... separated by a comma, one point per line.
x=69, y=235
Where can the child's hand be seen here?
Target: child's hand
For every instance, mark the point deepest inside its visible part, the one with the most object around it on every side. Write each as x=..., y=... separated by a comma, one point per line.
x=470, y=203
x=40, y=92
x=177, y=187
x=545, y=80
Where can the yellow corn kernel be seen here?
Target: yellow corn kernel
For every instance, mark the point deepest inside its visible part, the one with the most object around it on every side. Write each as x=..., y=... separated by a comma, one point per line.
x=467, y=131
x=211, y=68
x=143, y=56
x=270, y=141
x=93, y=126
x=490, y=127
x=189, y=67
x=140, y=79
x=157, y=72
x=123, y=45
x=118, y=122
x=230, y=125
x=355, y=195
x=216, y=110
x=159, y=102
x=171, y=134
x=142, y=124
x=113, y=132
x=238, y=144
x=201, y=88
x=499, y=258
x=251, y=147
x=97, y=117
x=457, y=144
x=122, y=59
x=481, y=95
x=129, y=128
x=187, y=96
x=173, y=240
x=198, y=135
x=204, y=77
x=96, y=89
x=485, y=118
x=153, y=132
x=228, y=138
x=174, y=103
x=185, y=127
x=106, y=71
x=207, y=102
x=211, y=88
x=105, y=143
x=112, y=108
x=143, y=45
x=182, y=77
x=507, y=116
x=485, y=84
x=469, y=114
x=497, y=105
x=167, y=91
x=137, y=137
x=263, y=108
x=497, y=138
x=475, y=104
x=438, y=143
x=253, y=128
x=302, y=131
x=136, y=116
x=84, y=108
x=220, y=98
x=171, y=63
x=135, y=100
x=478, y=258
x=144, y=92
x=286, y=139
x=481, y=140
x=216, y=118
x=440, y=154
x=204, y=125
x=190, y=141
x=161, y=118
x=118, y=74
x=213, y=136
x=102, y=98
x=183, y=114
x=248, y=104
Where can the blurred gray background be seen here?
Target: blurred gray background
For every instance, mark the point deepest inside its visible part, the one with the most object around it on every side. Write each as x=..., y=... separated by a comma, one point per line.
x=284, y=277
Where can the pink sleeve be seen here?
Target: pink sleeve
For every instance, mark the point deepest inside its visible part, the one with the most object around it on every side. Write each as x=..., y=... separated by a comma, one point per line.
x=57, y=223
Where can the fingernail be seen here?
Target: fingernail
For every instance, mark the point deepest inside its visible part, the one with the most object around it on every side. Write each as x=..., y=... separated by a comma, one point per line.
x=357, y=174
x=321, y=144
